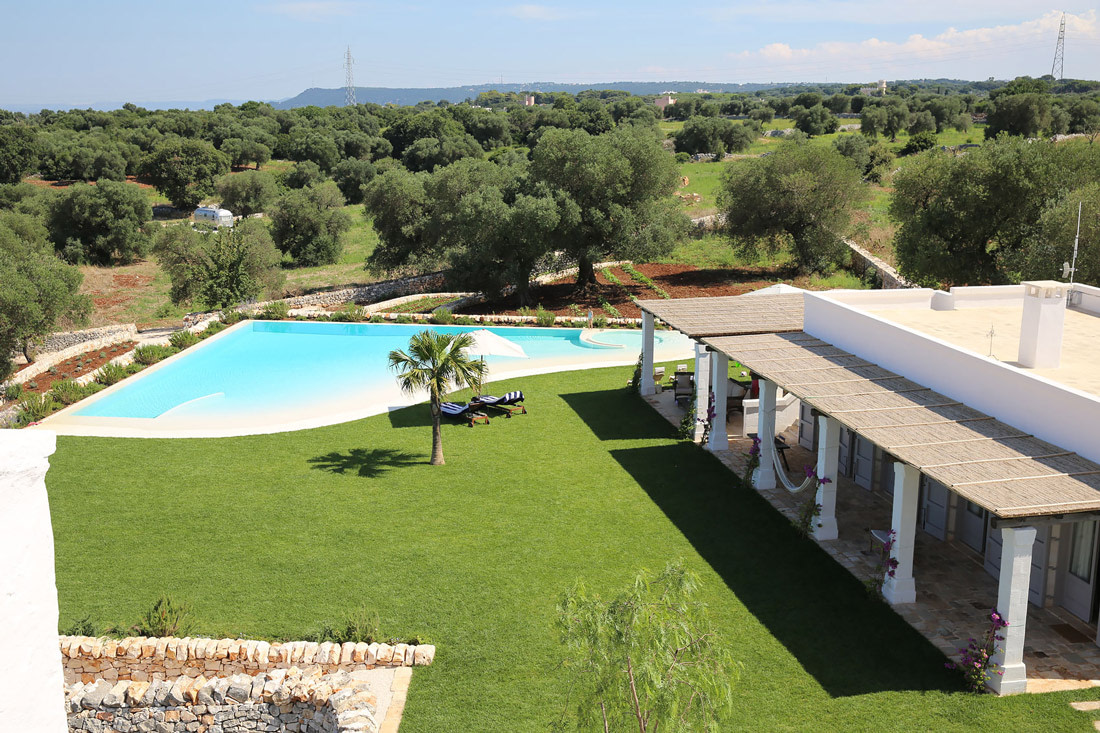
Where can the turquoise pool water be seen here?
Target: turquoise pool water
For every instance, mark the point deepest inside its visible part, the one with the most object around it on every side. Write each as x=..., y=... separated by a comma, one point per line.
x=263, y=367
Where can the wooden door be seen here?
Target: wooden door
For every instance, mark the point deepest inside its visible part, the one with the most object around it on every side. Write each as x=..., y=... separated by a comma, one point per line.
x=970, y=529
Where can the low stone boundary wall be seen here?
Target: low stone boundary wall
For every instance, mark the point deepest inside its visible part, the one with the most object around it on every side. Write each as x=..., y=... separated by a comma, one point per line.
x=280, y=700
x=87, y=658
x=109, y=336
x=891, y=278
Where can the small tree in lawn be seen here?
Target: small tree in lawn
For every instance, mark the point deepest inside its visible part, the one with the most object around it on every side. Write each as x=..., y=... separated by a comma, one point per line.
x=647, y=659
x=437, y=362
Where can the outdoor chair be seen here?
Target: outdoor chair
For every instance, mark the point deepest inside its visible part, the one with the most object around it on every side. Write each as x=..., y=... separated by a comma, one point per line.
x=658, y=375
x=509, y=403
x=735, y=398
x=467, y=413
x=683, y=386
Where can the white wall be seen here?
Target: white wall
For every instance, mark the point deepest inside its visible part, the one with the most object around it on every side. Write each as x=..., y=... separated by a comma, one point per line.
x=1064, y=416
x=786, y=413
x=1086, y=298
x=31, y=696
x=900, y=298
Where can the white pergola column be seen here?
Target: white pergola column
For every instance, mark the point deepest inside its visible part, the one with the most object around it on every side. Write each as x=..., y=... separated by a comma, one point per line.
x=902, y=588
x=647, y=385
x=32, y=694
x=828, y=459
x=702, y=386
x=719, y=379
x=764, y=476
x=1016, y=546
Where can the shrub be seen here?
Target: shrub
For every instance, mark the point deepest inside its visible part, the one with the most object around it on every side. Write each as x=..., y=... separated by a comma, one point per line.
x=13, y=391
x=442, y=317
x=66, y=392
x=465, y=321
x=211, y=329
x=182, y=339
x=151, y=354
x=166, y=618
x=34, y=408
x=544, y=317
x=525, y=311
x=229, y=317
x=403, y=319
x=111, y=374
x=377, y=318
x=919, y=142
x=81, y=627
x=275, y=311
x=599, y=322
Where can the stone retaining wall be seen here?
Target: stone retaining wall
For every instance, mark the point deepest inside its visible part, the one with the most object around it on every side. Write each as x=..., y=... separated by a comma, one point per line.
x=87, y=658
x=108, y=336
x=58, y=341
x=280, y=700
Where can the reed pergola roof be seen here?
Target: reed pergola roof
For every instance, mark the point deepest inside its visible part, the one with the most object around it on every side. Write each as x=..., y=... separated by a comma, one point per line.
x=992, y=464
x=731, y=314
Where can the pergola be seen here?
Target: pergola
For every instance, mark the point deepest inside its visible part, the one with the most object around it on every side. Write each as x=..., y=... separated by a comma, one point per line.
x=1021, y=480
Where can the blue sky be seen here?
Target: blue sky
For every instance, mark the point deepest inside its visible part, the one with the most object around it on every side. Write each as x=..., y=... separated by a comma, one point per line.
x=69, y=53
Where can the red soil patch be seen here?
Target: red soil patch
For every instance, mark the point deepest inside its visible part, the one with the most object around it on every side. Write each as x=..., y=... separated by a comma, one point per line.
x=77, y=366
x=679, y=281
x=44, y=183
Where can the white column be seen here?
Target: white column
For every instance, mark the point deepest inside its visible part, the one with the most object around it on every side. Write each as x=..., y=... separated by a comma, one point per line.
x=719, y=379
x=702, y=385
x=764, y=476
x=828, y=458
x=1016, y=546
x=647, y=385
x=31, y=684
x=902, y=588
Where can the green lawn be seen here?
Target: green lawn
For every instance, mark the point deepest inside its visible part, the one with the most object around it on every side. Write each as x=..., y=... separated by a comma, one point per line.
x=270, y=536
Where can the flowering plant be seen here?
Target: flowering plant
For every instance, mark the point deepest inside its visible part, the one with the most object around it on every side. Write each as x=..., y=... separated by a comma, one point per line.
x=810, y=509
x=885, y=569
x=976, y=658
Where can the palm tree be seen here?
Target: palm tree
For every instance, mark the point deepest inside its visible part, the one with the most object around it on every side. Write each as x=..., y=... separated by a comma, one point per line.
x=435, y=362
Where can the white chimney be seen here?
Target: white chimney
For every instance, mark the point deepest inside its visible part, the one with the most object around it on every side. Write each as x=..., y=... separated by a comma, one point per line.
x=1043, y=321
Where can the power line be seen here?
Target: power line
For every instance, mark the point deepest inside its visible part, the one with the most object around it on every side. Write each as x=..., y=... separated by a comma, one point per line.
x=1056, y=69
x=349, y=81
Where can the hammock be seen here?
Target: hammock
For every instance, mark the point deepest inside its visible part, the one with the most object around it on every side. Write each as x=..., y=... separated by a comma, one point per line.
x=782, y=474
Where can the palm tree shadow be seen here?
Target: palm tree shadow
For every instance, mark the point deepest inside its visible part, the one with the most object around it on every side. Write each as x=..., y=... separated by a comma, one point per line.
x=367, y=463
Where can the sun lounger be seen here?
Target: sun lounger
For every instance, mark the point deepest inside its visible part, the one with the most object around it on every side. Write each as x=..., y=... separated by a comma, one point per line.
x=467, y=412
x=509, y=403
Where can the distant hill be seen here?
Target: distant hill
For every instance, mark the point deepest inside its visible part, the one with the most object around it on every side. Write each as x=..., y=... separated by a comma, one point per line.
x=411, y=96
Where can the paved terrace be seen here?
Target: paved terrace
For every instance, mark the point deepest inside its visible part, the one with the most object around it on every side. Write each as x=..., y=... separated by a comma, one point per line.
x=952, y=585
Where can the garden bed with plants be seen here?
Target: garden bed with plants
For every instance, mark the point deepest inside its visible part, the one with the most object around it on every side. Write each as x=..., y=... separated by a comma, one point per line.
x=74, y=367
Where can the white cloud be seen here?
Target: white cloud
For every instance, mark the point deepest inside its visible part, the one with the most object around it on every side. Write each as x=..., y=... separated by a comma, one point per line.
x=919, y=55
x=874, y=12
x=313, y=10
x=536, y=12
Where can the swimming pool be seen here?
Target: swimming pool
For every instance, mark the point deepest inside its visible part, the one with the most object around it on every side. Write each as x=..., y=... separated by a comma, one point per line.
x=266, y=376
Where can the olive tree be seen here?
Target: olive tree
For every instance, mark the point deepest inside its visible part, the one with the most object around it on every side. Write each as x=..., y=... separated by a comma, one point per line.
x=221, y=268
x=39, y=290
x=307, y=224
x=100, y=224
x=801, y=197
x=185, y=170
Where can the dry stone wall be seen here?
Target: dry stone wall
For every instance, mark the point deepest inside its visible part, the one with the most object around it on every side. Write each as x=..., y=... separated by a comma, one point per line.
x=280, y=700
x=174, y=685
x=86, y=659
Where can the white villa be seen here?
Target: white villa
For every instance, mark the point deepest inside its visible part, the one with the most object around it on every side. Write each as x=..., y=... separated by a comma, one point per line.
x=974, y=412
